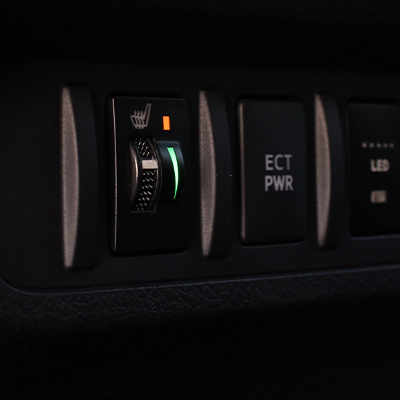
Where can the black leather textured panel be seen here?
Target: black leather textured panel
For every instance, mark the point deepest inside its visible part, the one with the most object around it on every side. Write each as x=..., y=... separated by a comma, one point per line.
x=24, y=314
x=325, y=335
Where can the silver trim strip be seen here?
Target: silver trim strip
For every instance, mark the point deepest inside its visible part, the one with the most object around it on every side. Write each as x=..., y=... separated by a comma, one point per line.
x=323, y=171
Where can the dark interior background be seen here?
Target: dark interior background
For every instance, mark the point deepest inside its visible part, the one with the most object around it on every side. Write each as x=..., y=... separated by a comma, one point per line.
x=343, y=34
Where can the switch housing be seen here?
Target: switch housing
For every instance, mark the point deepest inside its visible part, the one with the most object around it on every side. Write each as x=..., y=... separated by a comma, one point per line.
x=274, y=172
x=374, y=133
x=151, y=183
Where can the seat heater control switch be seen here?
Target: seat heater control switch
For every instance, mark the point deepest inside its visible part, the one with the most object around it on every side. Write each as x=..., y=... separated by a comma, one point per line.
x=273, y=170
x=374, y=131
x=151, y=186
x=145, y=174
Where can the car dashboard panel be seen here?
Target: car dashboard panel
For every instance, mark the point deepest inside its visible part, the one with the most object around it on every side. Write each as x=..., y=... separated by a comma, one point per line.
x=199, y=200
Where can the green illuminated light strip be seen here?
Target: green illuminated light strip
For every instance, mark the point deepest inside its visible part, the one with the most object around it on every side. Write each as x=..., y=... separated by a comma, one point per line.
x=174, y=160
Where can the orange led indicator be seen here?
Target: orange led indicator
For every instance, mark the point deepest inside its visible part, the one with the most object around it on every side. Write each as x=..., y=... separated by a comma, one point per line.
x=166, y=123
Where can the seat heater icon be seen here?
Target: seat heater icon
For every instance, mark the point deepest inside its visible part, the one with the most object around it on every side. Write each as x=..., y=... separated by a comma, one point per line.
x=140, y=118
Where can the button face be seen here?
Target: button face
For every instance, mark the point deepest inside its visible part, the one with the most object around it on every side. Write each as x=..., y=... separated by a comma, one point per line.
x=274, y=178
x=151, y=202
x=374, y=131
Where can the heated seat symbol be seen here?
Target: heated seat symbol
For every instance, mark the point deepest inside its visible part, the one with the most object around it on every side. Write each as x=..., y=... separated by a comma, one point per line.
x=140, y=118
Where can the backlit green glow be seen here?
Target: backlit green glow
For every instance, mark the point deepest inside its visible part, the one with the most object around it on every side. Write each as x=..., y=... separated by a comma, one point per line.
x=174, y=160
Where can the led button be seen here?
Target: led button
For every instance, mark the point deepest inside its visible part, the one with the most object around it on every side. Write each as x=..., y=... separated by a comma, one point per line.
x=375, y=168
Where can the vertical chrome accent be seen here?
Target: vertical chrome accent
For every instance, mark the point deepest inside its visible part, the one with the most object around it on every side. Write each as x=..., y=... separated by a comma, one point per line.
x=208, y=175
x=323, y=171
x=79, y=175
x=242, y=173
x=216, y=175
x=70, y=178
x=331, y=181
x=115, y=176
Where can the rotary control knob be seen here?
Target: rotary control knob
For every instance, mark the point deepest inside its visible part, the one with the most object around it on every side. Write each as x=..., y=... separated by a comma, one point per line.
x=145, y=174
x=156, y=173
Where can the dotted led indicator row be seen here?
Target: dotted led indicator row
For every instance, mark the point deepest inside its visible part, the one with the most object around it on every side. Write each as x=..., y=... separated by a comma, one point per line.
x=377, y=145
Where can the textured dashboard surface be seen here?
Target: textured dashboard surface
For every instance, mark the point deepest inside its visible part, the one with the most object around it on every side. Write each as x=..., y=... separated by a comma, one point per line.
x=24, y=313
x=327, y=335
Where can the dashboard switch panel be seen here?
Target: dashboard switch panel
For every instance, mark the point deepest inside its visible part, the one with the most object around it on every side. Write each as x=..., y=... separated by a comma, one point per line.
x=273, y=163
x=151, y=186
x=374, y=131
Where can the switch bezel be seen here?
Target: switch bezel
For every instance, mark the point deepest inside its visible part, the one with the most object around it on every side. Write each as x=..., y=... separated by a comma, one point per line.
x=163, y=225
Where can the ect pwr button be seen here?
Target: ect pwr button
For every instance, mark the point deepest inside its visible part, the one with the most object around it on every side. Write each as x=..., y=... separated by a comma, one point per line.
x=273, y=171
